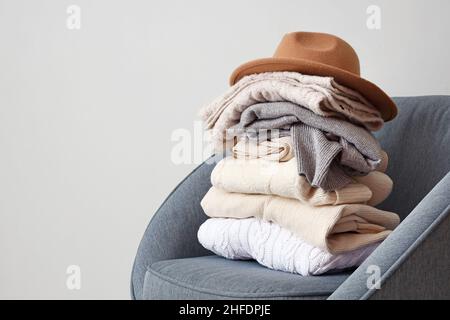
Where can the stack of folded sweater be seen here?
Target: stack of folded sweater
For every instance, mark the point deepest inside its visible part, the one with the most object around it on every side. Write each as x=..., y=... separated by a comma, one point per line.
x=298, y=191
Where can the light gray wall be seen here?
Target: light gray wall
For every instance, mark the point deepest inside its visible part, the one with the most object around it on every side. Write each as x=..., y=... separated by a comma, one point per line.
x=86, y=115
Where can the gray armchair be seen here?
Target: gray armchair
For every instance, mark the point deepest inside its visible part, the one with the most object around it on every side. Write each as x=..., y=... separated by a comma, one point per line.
x=413, y=262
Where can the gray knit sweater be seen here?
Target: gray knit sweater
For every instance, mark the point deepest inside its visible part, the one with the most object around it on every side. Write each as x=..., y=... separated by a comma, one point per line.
x=328, y=150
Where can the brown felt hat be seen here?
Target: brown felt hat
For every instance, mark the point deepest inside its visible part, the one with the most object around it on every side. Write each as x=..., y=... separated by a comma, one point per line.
x=320, y=54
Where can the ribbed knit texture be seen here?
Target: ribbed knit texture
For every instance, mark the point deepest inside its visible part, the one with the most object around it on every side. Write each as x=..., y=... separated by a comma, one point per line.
x=327, y=149
x=315, y=155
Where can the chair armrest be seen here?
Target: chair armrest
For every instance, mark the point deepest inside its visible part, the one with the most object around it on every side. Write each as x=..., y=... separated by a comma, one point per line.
x=432, y=213
x=172, y=231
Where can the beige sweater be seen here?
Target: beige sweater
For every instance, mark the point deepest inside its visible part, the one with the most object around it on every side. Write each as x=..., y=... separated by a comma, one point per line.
x=258, y=176
x=279, y=149
x=336, y=229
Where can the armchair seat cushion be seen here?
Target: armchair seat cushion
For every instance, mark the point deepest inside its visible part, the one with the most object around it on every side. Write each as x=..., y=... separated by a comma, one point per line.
x=213, y=277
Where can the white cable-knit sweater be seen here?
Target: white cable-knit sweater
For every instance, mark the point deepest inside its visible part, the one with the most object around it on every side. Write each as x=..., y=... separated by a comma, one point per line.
x=273, y=246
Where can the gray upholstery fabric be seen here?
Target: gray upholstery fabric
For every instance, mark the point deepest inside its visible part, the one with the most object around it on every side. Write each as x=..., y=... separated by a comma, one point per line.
x=398, y=247
x=213, y=277
x=166, y=237
x=418, y=145
x=425, y=274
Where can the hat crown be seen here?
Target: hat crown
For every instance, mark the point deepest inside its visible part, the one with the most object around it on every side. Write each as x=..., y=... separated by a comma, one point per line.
x=319, y=47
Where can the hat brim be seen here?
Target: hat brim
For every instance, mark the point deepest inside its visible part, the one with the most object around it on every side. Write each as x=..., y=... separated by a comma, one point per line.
x=369, y=90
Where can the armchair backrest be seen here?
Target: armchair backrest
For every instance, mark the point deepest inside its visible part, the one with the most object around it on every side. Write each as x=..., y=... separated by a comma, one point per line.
x=418, y=145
